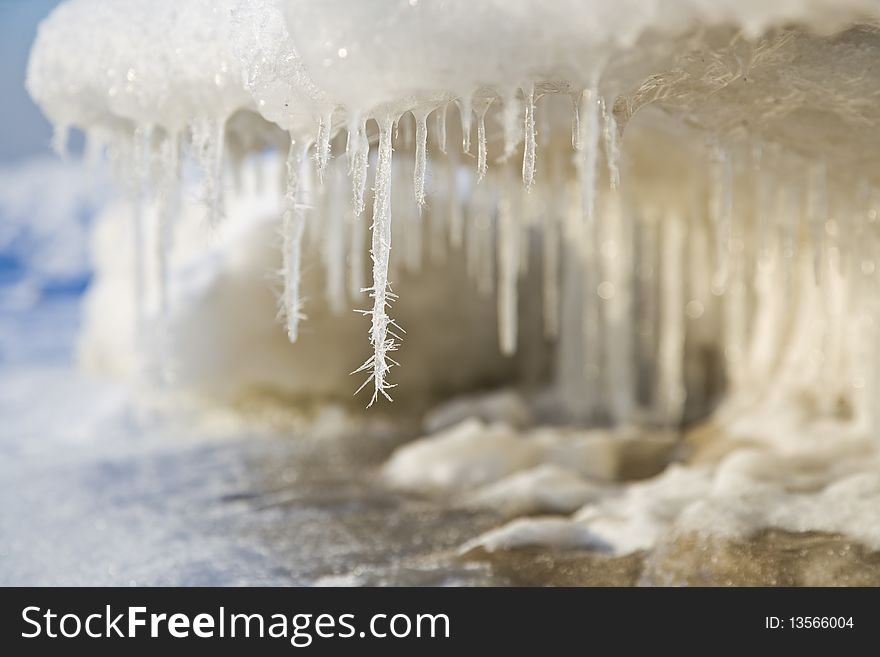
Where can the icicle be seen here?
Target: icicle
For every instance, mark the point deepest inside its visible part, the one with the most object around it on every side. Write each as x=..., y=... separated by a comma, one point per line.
x=359, y=162
x=512, y=132
x=612, y=148
x=382, y=335
x=465, y=109
x=575, y=122
x=531, y=137
x=421, y=117
x=292, y=232
x=508, y=267
x=441, y=127
x=322, y=144
x=482, y=163
x=588, y=155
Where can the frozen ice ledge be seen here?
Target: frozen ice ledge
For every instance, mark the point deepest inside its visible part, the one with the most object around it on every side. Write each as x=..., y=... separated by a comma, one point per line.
x=737, y=217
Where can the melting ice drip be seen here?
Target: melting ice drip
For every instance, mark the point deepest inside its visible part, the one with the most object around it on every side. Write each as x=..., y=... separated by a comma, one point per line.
x=765, y=258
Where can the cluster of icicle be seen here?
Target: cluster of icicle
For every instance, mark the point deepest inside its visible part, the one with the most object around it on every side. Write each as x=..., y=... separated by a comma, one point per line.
x=765, y=256
x=539, y=158
x=491, y=199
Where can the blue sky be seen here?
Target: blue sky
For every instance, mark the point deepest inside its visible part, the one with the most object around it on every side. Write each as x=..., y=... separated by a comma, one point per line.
x=24, y=131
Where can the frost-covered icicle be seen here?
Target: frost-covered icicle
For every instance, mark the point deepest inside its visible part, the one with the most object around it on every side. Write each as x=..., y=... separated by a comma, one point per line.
x=465, y=110
x=440, y=117
x=482, y=161
x=322, y=144
x=511, y=122
x=508, y=266
x=530, y=136
x=421, y=117
x=333, y=243
x=358, y=161
x=575, y=122
x=612, y=147
x=293, y=226
x=382, y=330
x=587, y=156
x=670, y=390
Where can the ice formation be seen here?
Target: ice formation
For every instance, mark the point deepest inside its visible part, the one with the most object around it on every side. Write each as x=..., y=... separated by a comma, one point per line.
x=695, y=178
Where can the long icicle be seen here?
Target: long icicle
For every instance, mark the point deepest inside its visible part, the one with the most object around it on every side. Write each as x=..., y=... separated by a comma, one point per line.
x=531, y=138
x=293, y=226
x=612, y=147
x=421, y=164
x=382, y=336
x=482, y=147
x=358, y=149
x=441, y=127
x=322, y=144
x=465, y=109
x=588, y=155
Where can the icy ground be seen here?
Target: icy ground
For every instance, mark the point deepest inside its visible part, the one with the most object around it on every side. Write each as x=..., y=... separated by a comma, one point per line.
x=97, y=493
